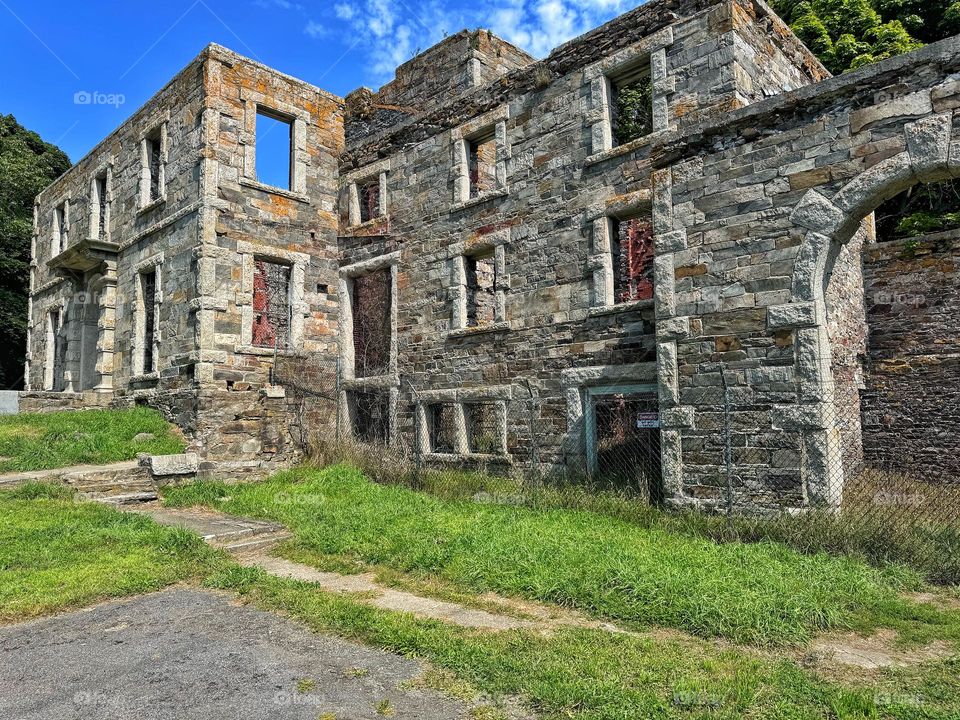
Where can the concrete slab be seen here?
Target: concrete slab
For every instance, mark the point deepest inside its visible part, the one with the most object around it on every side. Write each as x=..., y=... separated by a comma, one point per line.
x=185, y=653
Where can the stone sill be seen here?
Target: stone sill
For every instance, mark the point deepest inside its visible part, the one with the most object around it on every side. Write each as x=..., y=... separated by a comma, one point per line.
x=624, y=149
x=152, y=204
x=265, y=351
x=469, y=457
x=151, y=377
x=371, y=382
x=373, y=222
x=480, y=199
x=620, y=308
x=272, y=189
x=479, y=330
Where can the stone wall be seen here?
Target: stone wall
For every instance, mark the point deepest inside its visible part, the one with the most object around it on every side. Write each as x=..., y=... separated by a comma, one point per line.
x=912, y=393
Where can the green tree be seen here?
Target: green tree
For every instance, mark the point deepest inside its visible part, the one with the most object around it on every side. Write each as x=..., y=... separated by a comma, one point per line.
x=27, y=166
x=846, y=34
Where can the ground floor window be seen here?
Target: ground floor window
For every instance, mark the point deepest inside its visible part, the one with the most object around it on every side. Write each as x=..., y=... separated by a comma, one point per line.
x=148, y=284
x=623, y=439
x=442, y=428
x=370, y=417
x=484, y=435
x=56, y=351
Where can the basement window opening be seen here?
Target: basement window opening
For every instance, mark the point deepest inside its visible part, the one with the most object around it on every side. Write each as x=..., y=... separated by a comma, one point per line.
x=631, y=249
x=441, y=428
x=271, y=305
x=631, y=104
x=274, y=149
x=483, y=429
x=371, y=417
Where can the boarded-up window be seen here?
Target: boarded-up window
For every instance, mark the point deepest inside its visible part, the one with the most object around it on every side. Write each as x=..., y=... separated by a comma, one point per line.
x=482, y=162
x=481, y=276
x=483, y=429
x=441, y=427
x=369, y=196
x=632, y=249
x=371, y=417
x=148, y=285
x=372, y=333
x=632, y=105
x=271, y=304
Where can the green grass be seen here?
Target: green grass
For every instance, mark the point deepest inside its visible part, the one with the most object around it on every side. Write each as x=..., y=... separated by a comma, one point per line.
x=594, y=675
x=40, y=441
x=56, y=553
x=760, y=593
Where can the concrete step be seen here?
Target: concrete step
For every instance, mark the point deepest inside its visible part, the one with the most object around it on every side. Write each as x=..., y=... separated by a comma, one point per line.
x=255, y=543
x=130, y=498
x=223, y=531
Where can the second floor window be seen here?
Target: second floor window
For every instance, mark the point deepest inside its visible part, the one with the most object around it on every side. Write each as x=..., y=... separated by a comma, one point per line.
x=271, y=305
x=372, y=323
x=274, y=149
x=482, y=164
x=61, y=228
x=631, y=246
x=154, y=162
x=481, y=277
x=98, y=208
x=369, y=196
x=631, y=105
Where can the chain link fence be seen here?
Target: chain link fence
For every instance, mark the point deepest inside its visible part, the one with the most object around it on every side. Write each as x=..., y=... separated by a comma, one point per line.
x=730, y=474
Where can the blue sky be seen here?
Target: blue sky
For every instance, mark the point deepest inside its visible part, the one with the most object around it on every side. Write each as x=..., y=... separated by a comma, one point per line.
x=73, y=71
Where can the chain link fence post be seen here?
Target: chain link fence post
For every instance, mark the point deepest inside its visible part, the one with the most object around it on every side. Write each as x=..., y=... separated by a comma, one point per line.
x=727, y=448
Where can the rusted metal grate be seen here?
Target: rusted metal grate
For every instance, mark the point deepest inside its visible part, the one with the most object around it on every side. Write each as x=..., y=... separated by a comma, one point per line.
x=633, y=259
x=271, y=304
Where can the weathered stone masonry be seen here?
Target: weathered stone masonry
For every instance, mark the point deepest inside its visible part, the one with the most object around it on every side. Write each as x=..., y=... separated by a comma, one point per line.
x=482, y=175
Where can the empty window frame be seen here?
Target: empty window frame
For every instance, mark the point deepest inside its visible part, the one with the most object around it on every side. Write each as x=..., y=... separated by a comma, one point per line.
x=631, y=251
x=368, y=194
x=271, y=305
x=56, y=351
x=481, y=289
x=148, y=321
x=274, y=149
x=482, y=163
x=631, y=104
x=61, y=227
x=442, y=428
x=99, y=217
x=154, y=166
x=370, y=416
x=371, y=304
x=484, y=429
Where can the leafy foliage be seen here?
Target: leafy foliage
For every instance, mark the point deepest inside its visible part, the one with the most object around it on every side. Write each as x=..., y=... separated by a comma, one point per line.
x=847, y=34
x=27, y=166
x=633, y=110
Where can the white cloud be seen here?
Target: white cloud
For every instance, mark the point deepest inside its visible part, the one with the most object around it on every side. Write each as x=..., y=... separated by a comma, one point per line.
x=390, y=32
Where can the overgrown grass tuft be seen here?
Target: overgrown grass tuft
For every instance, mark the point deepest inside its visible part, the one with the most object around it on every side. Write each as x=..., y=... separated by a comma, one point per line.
x=762, y=593
x=56, y=553
x=595, y=675
x=925, y=539
x=40, y=441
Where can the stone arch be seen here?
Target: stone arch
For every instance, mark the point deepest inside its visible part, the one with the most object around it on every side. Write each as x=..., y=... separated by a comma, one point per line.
x=828, y=224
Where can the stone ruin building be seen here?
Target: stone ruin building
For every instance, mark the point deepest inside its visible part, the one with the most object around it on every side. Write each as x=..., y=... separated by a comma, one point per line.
x=491, y=247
